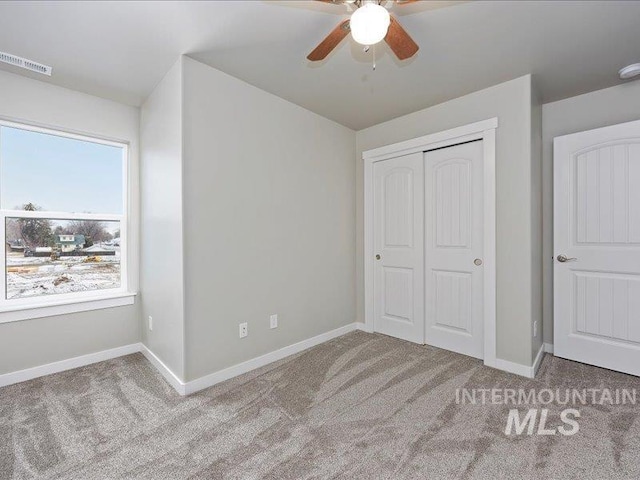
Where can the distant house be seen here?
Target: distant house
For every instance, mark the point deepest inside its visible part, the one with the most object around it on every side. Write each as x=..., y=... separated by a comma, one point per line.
x=69, y=243
x=15, y=246
x=99, y=249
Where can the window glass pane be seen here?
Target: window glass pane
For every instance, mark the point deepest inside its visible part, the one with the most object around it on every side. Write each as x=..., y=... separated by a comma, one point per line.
x=47, y=257
x=59, y=174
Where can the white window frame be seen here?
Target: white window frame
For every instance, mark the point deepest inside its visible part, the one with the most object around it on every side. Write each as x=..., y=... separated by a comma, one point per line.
x=59, y=304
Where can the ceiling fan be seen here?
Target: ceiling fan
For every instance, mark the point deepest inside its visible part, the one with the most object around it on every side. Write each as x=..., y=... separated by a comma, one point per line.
x=369, y=24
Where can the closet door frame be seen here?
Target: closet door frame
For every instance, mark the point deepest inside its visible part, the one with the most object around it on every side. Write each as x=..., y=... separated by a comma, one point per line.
x=484, y=130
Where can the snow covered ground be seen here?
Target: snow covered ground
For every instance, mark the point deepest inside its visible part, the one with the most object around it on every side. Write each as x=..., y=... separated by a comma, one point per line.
x=36, y=276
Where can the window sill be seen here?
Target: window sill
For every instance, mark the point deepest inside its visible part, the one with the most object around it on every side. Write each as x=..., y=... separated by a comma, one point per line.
x=64, y=307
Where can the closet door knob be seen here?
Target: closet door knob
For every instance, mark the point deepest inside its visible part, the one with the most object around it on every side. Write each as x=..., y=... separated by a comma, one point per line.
x=477, y=262
x=378, y=257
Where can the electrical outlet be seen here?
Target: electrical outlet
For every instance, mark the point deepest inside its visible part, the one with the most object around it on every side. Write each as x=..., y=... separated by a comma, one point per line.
x=273, y=321
x=535, y=328
x=243, y=330
x=150, y=322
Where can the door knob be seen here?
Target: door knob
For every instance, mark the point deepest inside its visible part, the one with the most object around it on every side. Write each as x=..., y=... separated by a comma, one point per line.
x=563, y=258
x=378, y=257
x=477, y=262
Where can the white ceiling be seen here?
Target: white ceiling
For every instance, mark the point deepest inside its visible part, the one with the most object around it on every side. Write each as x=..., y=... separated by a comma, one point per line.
x=121, y=50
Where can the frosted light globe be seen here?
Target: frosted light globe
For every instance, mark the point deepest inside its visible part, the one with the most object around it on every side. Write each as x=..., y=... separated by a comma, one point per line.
x=369, y=24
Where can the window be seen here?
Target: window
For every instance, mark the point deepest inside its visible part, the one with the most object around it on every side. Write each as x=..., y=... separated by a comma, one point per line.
x=63, y=216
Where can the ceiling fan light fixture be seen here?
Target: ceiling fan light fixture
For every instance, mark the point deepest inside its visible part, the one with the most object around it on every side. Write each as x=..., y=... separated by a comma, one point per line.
x=629, y=71
x=369, y=24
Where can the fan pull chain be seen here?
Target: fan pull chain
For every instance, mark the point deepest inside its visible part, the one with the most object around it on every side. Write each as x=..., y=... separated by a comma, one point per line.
x=374, y=58
x=366, y=50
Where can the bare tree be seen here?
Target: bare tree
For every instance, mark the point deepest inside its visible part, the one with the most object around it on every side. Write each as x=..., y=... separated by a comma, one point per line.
x=93, y=231
x=35, y=232
x=60, y=230
x=13, y=230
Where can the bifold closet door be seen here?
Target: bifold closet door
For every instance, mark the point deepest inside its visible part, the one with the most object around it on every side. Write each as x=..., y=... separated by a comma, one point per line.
x=454, y=248
x=398, y=192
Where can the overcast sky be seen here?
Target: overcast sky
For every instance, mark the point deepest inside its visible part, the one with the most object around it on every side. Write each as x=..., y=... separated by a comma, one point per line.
x=59, y=174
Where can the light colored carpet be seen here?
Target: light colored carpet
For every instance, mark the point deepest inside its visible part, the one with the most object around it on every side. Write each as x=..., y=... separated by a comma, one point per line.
x=363, y=406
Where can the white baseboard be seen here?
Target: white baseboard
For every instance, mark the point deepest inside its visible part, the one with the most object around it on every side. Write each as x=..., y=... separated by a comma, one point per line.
x=244, y=367
x=519, y=369
x=214, y=378
x=68, y=364
x=538, y=361
x=181, y=387
x=363, y=326
x=171, y=378
x=512, y=367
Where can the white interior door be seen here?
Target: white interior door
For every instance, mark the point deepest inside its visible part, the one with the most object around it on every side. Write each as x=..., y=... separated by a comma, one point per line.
x=398, y=193
x=597, y=247
x=454, y=247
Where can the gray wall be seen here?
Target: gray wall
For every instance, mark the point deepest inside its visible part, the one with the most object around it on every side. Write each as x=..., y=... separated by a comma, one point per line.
x=511, y=102
x=269, y=228
x=30, y=343
x=536, y=220
x=161, y=271
x=592, y=110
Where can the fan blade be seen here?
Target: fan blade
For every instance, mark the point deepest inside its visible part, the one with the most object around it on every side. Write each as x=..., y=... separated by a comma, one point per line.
x=331, y=42
x=337, y=2
x=399, y=40
x=401, y=2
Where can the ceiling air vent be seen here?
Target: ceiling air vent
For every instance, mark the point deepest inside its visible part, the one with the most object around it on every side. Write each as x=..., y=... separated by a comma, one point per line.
x=24, y=63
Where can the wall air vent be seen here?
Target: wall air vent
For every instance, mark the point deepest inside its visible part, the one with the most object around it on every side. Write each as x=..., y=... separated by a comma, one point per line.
x=25, y=63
